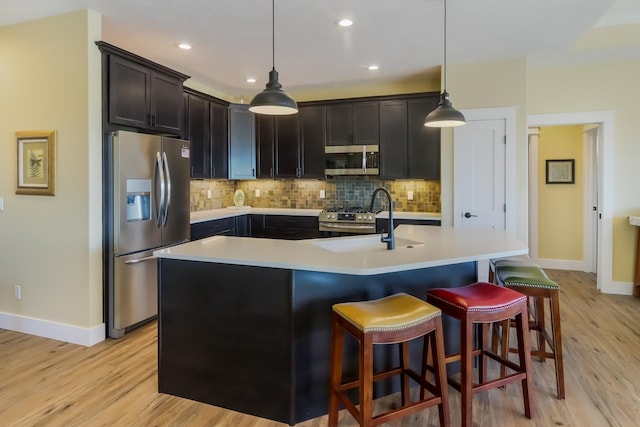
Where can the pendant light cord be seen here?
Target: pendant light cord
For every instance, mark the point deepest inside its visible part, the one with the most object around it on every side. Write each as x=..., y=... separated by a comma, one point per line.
x=273, y=34
x=445, y=45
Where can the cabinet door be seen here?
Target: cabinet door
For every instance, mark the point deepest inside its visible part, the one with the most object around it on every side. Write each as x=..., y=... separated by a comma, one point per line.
x=339, y=124
x=198, y=123
x=393, y=139
x=286, y=146
x=366, y=123
x=264, y=146
x=242, y=143
x=312, y=121
x=424, y=142
x=129, y=96
x=166, y=103
x=219, y=141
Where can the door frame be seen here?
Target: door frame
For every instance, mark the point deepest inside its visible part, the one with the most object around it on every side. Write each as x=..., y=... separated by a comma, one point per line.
x=605, y=119
x=508, y=114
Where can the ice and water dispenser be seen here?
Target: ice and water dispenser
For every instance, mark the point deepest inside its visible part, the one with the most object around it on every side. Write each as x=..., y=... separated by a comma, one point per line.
x=138, y=199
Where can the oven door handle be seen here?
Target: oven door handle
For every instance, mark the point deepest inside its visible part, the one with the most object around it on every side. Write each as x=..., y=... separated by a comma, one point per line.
x=357, y=226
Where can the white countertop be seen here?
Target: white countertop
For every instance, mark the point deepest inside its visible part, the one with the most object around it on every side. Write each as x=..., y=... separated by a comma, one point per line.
x=431, y=247
x=201, y=216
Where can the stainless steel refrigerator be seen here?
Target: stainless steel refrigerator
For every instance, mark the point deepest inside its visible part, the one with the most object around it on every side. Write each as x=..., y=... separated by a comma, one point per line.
x=149, y=202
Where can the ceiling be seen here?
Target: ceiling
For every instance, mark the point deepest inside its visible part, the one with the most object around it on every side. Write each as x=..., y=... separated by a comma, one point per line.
x=232, y=38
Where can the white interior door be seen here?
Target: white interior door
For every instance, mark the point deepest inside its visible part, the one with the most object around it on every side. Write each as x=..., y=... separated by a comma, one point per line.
x=479, y=174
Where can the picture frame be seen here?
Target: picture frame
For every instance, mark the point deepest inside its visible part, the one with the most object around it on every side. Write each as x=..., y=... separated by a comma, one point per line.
x=36, y=160
x=560, y=171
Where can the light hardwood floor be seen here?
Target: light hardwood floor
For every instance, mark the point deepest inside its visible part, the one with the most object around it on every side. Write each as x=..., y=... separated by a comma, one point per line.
x=49, y=383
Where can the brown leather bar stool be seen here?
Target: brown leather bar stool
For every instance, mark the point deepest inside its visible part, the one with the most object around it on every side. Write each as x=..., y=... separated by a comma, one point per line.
x=486, y=303
x=396, y=319
x=533, y=282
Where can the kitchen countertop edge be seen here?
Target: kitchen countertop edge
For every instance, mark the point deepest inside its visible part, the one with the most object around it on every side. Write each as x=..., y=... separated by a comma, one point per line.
x=213, y=214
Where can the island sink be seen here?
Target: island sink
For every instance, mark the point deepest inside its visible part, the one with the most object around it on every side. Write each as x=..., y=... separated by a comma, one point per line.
x=364, y=244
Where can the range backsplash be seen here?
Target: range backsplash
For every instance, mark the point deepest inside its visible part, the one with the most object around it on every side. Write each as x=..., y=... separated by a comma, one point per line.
x=305, y=194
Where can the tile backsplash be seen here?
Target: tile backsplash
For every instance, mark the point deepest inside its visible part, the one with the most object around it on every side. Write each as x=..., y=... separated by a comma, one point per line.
x=305, y=194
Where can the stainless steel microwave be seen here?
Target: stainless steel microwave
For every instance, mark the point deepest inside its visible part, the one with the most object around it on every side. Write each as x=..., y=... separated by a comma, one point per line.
x=351, y=159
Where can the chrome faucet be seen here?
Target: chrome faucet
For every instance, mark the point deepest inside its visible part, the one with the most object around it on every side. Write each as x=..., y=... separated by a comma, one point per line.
x=390, y=239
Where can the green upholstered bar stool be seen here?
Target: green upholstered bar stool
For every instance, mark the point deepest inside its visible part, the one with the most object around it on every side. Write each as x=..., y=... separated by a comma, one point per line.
x=514, y=260
x=534, y=282
x=396, y=319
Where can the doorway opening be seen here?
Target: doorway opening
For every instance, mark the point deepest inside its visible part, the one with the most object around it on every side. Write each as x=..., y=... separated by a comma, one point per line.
x=598, y=164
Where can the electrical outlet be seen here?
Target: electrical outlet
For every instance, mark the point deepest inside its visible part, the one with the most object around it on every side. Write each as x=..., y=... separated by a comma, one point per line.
x=322, y=194
x=208, y=194
x=409, y=195
x=257, y=193
x=17, y=292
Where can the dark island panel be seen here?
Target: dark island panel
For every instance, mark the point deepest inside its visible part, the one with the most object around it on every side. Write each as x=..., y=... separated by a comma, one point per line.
x=257, y=339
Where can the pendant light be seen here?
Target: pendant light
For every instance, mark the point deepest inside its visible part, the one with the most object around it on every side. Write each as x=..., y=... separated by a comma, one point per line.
x=273, y=100
x=444, y=115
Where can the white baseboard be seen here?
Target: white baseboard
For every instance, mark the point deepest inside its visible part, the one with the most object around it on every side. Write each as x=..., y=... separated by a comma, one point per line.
x=560, y=264
x=618, y=288
x=58, y=331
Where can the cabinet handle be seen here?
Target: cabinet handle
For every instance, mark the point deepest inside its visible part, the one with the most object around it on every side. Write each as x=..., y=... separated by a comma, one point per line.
x=253, y=172
x=271, y=172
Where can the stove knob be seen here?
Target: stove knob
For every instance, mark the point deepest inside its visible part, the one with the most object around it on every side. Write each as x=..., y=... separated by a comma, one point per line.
x=370, y=217
x=359, y=216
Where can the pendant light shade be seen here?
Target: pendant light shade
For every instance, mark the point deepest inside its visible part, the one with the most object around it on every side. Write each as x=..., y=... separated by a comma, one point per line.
x=273, y=100
x=444, y=115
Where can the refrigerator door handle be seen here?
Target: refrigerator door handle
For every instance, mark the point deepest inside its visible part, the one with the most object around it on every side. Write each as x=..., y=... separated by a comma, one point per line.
x=160, y=216
x=138, y=260
x=168, y=203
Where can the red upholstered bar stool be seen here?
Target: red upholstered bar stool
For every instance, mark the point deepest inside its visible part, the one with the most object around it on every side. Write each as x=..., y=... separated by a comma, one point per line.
x=485, y=303
x=396, y=319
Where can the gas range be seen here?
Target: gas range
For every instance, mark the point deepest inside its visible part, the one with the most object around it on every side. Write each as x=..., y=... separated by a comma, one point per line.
x=355, y=220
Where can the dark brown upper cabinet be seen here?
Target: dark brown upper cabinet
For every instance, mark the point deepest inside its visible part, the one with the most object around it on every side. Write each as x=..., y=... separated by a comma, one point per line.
x=205, y=125
x=140, y=93
x=291, y=146
x=313, y=125
x=353, y=123
x=408, y=149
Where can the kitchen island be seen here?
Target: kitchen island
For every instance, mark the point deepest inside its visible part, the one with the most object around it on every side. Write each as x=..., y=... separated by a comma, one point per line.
x=246, y=323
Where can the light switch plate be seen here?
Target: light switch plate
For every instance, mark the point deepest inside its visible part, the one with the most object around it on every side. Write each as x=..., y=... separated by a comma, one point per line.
x=409, y=195
x=322, y=194
x=208, y=194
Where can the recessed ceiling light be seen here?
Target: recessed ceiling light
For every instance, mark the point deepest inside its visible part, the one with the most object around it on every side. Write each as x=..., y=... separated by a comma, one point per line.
x=251, y=80
x=373, y=67
x=184, y=46
x=345, y=22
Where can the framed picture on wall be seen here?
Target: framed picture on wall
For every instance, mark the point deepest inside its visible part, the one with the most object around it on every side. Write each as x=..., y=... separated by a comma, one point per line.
x=36, y=162
x=560, y=171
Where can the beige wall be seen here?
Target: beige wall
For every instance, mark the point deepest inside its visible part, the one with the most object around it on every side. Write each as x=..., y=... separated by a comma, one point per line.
x=51, y=246
x=613, y=87
x=423, y=82
x=490, y=84
x=560, y=206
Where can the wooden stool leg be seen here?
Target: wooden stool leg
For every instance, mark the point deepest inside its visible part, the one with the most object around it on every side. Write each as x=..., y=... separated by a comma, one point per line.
x=524, y=355
x=466, y=367
x=538, y=303
x=554, y=301
x=484, y=334
x=336, y=372
x=404, y=378
x=505, y=330
x=440, y=374
x=366, y=381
